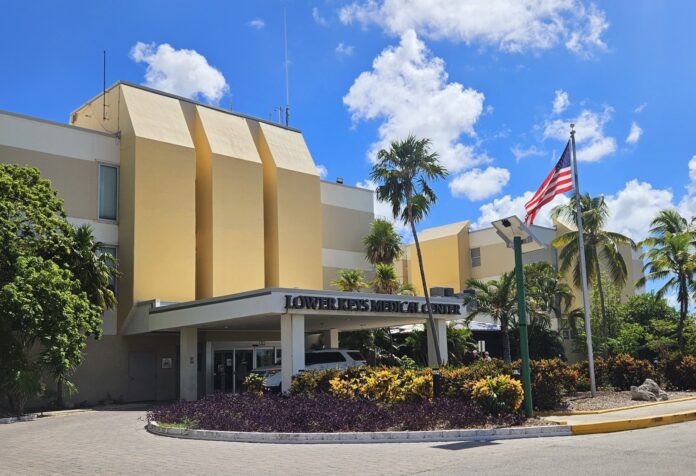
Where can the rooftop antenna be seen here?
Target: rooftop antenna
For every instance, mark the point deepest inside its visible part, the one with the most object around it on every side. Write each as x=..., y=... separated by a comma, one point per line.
x=104, y=86
x=287, y=88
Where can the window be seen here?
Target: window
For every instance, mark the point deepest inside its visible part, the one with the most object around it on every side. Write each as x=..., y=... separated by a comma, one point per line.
x=113, y=252
x=108, y=192
x=356, y=356
x=312, y=358
x=475, y=257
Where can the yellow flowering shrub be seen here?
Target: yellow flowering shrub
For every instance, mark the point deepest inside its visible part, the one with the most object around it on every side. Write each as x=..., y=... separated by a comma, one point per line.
x=499, y=394
x=387, y=385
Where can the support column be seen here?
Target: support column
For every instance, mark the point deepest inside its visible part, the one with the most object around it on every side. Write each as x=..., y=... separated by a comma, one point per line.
x=330, y=339
x=188, y=365
x=292, y=344
x=441, y=329
x=209, y=357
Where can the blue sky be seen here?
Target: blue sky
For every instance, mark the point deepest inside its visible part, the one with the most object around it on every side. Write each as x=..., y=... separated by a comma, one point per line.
x=482, y=80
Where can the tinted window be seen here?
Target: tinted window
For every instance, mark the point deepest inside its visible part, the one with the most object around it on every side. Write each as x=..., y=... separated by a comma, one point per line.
x=324, y=358
x=356, y=356
x=108, y=192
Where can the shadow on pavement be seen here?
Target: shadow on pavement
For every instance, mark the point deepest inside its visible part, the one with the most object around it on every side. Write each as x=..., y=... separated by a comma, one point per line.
x=465, y=445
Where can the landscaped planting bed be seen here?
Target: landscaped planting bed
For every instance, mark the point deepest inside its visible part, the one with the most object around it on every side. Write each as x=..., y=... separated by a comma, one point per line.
x=326, y=414
x=607, y=399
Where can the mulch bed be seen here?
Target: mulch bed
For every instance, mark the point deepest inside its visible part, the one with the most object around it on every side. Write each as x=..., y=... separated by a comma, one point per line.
x=583, y=401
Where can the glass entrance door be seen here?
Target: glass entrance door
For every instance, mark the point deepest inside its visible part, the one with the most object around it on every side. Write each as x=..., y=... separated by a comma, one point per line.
x=243, y=364
x=223, y=372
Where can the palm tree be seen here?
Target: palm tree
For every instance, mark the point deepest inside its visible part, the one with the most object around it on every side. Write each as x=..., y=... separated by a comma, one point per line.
x=496, y=298
x=402, y=173
x=350, y=280
x=601, y=247
x=545, y=290
x=406, y=289
x=383, y=243
x=93, y=268
x=385, y=281
x=671, y=256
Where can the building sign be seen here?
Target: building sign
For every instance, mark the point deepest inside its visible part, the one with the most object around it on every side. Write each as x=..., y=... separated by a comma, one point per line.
x=318, y=303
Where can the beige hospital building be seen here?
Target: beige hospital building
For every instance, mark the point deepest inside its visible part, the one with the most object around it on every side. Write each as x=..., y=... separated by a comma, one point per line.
x=227, y=242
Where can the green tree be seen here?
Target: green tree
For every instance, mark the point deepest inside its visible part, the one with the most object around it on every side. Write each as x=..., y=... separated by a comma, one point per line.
x=496, y=298
x=643, y=308
x=385, y=281
x=383, y=243
x=670, y=257
x=406, y=289
x=92, y=267
x=46, y=311
x=459, y=343
x=350, y=280
x=601, y=247
x=402, y=173
x=545, y=290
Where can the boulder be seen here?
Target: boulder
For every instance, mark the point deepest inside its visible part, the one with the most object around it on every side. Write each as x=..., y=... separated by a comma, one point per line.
x=648, y=391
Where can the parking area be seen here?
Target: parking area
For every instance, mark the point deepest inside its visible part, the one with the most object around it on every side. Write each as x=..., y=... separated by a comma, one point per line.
x=115, y=442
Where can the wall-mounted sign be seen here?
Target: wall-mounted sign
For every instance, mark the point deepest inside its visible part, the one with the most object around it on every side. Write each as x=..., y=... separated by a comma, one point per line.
x=366, y=305
x=166, y=362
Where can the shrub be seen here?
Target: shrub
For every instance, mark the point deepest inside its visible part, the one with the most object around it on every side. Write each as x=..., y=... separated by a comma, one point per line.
x=680, y=372
x=551, y=379
x=253, y=383
x=459, y=382
x=601, y=374
x=323, y=413
x=313, y=382
x=624, y=371
x=496, y=395
x=387, y=385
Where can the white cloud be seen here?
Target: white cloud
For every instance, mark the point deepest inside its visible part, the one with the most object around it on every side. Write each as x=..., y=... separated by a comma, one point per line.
x=521, y=153
x=318, y=19
x=344, y=50
x=560, y=101
x=634, y=134
x=384, y=209
x=507, y=206
x=183, y=72
x=509, y=25
x=408, y=90
x=640, y=108
x=256, y=23
x=323, y=171
x=632, y=208
x=477, y=184
x=593, y=145
x=692, y=175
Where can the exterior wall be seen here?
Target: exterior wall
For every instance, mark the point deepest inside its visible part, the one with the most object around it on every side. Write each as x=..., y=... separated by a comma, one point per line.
x=292, y=209
x=446, y=259
x=347, y=214
x=229, y=205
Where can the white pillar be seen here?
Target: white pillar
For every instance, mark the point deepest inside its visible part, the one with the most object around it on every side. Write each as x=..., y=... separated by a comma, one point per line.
x=188, y=365
x=441, y=329
x=330, y=339
x=292, y=344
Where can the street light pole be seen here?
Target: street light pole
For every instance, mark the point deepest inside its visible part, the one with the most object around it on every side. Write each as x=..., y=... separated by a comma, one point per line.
x=522, y=316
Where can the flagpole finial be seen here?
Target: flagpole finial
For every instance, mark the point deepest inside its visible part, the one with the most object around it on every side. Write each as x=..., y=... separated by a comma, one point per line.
x=572, y=128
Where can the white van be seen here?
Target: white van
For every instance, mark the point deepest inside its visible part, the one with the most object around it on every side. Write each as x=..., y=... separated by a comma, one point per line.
x=314, y=360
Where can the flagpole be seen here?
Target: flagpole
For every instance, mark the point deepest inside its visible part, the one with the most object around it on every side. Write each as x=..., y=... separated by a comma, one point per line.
x=583, y=269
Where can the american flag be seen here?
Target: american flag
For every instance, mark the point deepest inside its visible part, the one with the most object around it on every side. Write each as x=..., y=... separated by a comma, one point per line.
x=559, y=180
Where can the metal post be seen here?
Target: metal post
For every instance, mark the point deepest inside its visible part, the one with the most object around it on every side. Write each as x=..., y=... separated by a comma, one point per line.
x=583, y=267
x=522, y=315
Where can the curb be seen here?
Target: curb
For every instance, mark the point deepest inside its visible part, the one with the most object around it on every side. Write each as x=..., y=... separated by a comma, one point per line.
x=610, y=410
x=363, y=437
x=632, y=424
x=27, y=417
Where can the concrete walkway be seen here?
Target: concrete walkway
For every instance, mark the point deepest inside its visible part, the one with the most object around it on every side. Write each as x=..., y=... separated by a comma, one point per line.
x=667, y=408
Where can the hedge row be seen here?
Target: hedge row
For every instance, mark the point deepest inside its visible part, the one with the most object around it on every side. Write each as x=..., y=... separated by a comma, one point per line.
x=551, y=380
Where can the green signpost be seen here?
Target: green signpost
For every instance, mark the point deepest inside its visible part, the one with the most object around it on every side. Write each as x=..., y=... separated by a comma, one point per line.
x=522, y=317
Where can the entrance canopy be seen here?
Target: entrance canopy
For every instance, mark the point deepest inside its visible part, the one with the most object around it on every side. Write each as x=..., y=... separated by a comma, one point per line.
x=260, y=310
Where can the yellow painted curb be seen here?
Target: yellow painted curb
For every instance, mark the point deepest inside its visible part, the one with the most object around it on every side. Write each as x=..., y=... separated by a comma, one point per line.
x=610, y=410
x=633, y=424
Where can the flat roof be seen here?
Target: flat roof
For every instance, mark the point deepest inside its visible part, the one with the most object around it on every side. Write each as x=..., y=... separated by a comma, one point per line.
x=189, y=100
x=55, y=123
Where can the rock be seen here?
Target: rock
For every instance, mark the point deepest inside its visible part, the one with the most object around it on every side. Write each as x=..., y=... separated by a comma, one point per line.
x=648, y=391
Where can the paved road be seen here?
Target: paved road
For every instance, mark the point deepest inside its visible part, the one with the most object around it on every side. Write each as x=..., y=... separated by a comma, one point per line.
x=115, y=442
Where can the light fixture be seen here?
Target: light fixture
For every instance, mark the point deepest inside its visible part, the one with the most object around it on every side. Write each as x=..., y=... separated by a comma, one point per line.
x=511, y=227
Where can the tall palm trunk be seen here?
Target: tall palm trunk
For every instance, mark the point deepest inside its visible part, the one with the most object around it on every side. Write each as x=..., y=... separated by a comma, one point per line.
x=683, y=311
x=507, y=356
x=605, y=324
x=431, y=321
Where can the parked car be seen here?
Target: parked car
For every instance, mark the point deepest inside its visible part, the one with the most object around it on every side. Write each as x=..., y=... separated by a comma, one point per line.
x=314, y=360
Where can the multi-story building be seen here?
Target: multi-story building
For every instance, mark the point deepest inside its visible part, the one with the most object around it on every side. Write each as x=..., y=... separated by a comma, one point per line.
x=454, y=253
x=226, y=238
